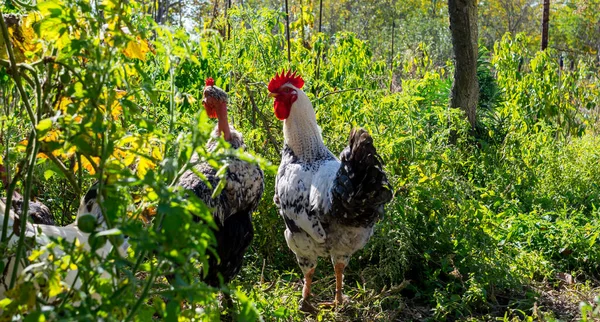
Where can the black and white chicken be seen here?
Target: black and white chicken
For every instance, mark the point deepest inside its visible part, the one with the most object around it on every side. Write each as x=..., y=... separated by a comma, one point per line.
x=232, y=209
x=329, y=206
x=45, y=234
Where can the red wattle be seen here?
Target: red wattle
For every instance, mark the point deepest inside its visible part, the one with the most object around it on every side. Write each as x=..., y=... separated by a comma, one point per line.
x=282, y=111
x=211, y=112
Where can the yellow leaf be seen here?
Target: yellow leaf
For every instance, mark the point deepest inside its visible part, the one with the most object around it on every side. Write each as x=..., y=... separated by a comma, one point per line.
x=128, y=160
x=137, y=48
x=51, y=136
x=156, y=153
x=54, y=287
x=86, y=164
x=190, y=98
x=35, y=254
x=120, y=93
x=22, y=146
x=63, y=104
x=143, y=166
x=64, y=262
x=5, y=302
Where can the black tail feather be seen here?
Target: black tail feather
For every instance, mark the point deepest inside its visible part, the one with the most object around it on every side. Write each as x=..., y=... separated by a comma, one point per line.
x=361, y=188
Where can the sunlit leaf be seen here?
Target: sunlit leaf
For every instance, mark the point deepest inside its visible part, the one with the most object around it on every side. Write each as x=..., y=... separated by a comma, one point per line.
x=137, y=48
x=54, y=285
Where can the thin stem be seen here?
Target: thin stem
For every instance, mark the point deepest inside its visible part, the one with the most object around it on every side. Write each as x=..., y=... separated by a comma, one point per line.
x=262, y=118
x=37, y=85
x=68, y=174
x=144, y=294
x=69, y=68
x=340, y=91
x=9, y=195
x=25, y=209
x=172, y=102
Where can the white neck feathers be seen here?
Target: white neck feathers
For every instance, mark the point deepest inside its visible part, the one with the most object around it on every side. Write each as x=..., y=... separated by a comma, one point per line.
x=301, y=131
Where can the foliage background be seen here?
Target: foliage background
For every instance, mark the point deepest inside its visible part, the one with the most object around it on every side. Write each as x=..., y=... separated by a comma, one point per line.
x=491, y=226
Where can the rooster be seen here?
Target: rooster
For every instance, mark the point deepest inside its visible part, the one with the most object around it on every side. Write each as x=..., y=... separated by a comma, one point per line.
x=232, y=209
x=329, y=206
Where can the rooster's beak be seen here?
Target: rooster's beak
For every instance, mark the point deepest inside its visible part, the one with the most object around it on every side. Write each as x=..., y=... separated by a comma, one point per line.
x=273, y=94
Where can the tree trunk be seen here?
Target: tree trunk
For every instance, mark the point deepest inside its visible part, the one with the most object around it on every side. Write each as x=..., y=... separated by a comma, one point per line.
x=287, y=31
x=320, y=13
x=463, y=25
x=227, y=7
x=545, y=18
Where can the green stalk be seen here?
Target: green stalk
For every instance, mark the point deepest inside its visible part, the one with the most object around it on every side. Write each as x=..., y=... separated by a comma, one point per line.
x=144, y=294
x=172, y=103
x=9, y=195
x=68, y=174
x=24, y=211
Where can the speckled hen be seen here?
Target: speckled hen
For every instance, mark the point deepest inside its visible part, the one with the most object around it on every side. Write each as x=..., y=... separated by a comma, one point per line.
x=233, y=208
x=329, y=206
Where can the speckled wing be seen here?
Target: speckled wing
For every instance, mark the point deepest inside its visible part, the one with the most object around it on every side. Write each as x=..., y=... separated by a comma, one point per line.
x=244, y=183
x=293, y=196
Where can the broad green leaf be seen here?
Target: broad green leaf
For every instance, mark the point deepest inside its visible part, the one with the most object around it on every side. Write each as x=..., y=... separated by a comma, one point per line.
x=44, y=126
x=49, y=173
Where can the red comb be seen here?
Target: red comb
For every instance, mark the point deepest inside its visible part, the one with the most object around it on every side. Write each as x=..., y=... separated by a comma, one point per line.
x=210, y=81
x=284, y=78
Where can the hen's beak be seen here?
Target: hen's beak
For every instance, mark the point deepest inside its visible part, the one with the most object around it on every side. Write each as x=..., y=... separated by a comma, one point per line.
x=273, y=94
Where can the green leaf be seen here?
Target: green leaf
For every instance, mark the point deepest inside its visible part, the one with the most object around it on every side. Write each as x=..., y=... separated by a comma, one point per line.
x=44, y=126
x=219, y=188
x=594, y=238
x=5, y=302
x=172, y=310
x=48, y=174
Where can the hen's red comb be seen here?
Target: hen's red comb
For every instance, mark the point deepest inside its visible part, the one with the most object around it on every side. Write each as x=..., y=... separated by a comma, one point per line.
x=283, y=78
x=210, y=81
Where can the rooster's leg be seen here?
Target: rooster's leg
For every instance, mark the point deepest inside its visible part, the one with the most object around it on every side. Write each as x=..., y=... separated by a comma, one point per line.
x=307, y=283
x=309, y=270
x=339, y=265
